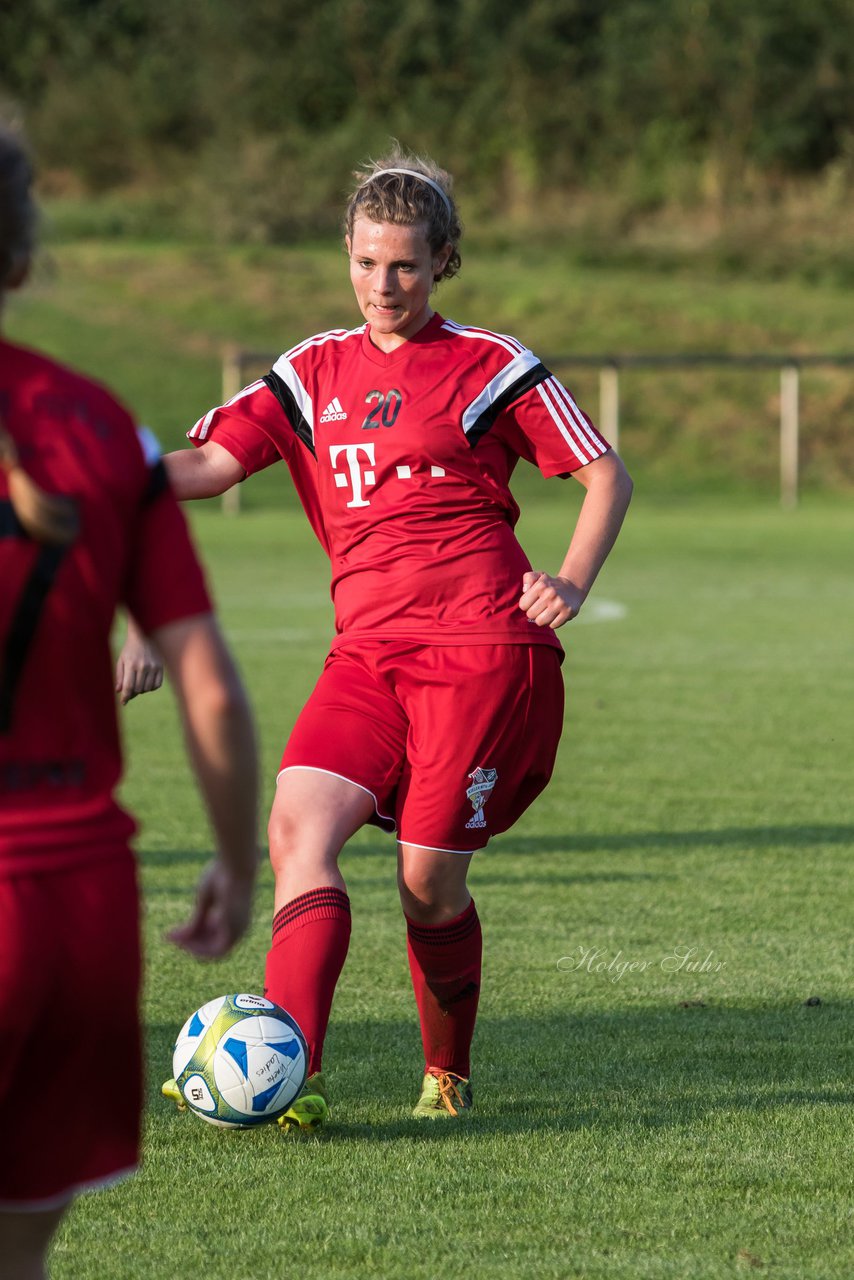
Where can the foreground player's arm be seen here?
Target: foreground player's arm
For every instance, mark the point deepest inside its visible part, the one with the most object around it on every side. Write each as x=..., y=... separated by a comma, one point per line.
x=221, y=744
x=552, y=601
x=205, y=472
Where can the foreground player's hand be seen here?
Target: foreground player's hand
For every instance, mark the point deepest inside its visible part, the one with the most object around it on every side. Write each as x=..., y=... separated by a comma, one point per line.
x=139, y=668
x=222, y=914
x=549, y=602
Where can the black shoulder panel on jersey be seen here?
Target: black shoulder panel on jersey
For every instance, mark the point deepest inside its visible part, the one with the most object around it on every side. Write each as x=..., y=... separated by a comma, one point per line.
x=158, y=482
x=10, y=525
x=539, y=373
x=287, y=400
x=22, y=627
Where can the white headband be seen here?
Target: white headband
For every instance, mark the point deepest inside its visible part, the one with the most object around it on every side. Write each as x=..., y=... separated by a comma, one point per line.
x=413, y=173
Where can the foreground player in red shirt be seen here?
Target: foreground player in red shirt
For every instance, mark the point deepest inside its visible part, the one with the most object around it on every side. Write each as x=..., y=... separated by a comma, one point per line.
x=440, y=706
x=87, y=521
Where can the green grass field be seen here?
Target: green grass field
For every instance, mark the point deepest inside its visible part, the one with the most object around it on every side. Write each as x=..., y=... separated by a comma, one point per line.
x=658, y=1120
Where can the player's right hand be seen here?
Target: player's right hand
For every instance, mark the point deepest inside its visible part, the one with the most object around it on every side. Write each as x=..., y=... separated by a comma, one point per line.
x=139, y=668
x=549, y=602
x=222, y=915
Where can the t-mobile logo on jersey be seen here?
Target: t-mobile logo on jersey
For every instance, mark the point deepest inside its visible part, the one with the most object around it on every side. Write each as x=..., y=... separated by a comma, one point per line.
x=357, y=477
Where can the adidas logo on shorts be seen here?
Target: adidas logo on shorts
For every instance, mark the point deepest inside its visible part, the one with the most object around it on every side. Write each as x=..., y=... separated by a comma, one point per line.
x=333, y=412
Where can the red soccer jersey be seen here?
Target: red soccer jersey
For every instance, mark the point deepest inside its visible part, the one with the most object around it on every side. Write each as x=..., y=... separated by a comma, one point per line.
x=59, y=743
x=402, y=461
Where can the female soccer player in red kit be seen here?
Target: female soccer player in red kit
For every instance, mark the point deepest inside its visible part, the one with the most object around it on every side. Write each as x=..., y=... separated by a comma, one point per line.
x=440, y=706
x=87, y=521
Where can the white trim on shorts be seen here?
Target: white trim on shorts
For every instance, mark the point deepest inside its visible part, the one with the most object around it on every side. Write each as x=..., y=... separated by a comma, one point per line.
x=65, y=1197
x=432, y=848
x=311, y=768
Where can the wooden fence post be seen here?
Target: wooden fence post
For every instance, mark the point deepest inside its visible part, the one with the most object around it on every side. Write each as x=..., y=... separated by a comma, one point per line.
x=232, y=382
x=789, y=435
x=609, y=405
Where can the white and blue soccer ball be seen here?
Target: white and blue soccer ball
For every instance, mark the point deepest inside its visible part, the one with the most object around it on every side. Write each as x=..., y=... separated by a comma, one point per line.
x=240, y=1061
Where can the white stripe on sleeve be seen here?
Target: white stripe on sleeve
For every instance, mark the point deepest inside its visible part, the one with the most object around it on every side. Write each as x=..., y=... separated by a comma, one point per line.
x=585, y=431
x=203, y=426
x=503, y=381
x=200, y=430
x=566, y=428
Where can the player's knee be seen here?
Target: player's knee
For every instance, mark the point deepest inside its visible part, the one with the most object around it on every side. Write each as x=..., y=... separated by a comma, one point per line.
x=284, y=839
x=428, y=898
x=299, y=846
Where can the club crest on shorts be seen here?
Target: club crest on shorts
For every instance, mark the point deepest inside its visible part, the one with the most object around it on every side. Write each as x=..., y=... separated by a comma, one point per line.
x=482, y=783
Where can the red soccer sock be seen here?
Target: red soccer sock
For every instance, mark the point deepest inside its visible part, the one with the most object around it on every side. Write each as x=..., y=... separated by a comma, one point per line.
x=445, y=964
x=311, y=935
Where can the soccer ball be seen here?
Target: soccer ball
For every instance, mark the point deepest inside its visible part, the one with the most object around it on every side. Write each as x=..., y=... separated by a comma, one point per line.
x=239, y=1061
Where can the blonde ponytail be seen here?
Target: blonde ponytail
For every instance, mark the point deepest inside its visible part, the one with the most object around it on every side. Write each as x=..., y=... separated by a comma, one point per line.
x=46, y=517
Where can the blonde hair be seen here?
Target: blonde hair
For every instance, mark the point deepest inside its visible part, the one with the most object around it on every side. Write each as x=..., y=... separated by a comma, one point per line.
x=47, y=517
x=383, y=195
x=18, y=216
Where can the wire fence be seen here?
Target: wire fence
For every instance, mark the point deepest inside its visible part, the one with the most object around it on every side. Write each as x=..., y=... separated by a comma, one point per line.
x=240, y=366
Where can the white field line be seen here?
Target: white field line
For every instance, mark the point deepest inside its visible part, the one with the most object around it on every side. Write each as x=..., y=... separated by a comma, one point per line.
x=601, y=611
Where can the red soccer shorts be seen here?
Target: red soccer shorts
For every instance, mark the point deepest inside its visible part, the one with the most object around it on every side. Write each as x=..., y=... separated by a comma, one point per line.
x=453, y=743
x=70, y=1061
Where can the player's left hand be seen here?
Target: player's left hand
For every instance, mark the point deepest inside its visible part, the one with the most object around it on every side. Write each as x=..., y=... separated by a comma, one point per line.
x=222, y=915
x=139, y=668
x=549, y=602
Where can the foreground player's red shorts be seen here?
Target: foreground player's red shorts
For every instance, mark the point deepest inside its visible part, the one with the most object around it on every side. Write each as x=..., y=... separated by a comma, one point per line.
x=70, y=1062
x=453, y=743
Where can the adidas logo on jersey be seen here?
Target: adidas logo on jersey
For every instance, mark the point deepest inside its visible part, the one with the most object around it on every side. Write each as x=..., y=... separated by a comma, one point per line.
x=333, y=412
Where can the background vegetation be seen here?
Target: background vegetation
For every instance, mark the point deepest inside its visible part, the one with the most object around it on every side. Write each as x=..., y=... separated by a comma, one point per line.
x=642, y=175
x=607, y=120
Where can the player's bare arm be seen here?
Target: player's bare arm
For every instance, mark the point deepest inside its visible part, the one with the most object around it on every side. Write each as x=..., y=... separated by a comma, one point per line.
x=553, y=601
x=205, y=472
x=221, y=744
